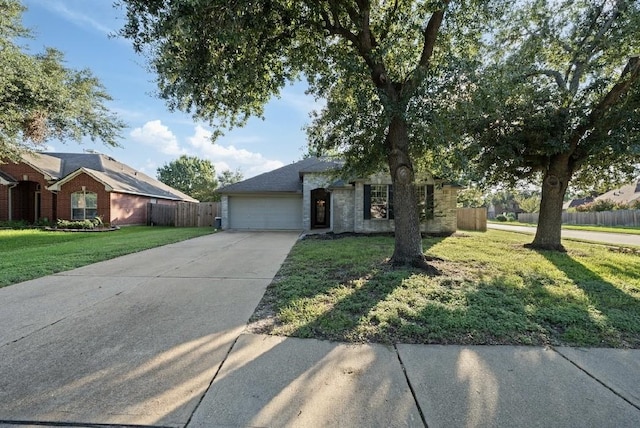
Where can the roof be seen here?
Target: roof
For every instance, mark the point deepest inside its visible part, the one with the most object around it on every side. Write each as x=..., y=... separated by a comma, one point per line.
x=49, y=166
x=577, y=202
x=116, y=176
x=285, y=179
x=6, y=179
x=625, y=194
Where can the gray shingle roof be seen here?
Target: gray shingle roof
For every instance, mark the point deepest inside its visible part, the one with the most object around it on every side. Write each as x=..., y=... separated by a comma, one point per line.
x=285, y=179
x=624, y=194
x=6, y=178
x=120, y=177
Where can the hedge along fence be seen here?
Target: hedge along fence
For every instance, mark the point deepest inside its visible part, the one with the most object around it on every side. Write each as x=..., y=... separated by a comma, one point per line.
x=472, y=219
x=183, y=214
x=598, y=218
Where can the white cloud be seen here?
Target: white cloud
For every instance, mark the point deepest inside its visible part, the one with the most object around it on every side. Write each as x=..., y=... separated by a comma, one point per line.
x=302, y=102
x=155, y=134
x=78, y=18
x=230, y=157
x=150, y=168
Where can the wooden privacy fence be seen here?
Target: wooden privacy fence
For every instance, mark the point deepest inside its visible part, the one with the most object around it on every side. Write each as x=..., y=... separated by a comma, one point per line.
x=183, y=214
x=599, y=218
x=472, y=219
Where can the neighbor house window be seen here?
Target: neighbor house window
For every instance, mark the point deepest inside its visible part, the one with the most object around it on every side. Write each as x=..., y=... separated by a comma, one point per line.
x=84, y=205
x=378, y=201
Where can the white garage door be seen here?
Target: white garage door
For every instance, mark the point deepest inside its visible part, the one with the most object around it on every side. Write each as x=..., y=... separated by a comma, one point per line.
x=265, y=213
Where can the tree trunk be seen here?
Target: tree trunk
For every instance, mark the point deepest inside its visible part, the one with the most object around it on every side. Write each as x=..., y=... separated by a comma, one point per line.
x=408, y=240
x=554, y=185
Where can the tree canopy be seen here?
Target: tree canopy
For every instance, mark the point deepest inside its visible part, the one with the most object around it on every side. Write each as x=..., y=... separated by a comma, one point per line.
x=384, y=68
x=559, y=100
x=41, y=99
x=191, y=175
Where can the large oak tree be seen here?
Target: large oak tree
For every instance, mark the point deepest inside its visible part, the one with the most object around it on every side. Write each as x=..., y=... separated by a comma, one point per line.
x=377, y=64
x=41, y=99
x=560, y=101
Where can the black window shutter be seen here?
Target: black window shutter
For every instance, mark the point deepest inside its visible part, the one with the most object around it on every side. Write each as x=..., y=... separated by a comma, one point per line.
x=390, y=202
x=367, y=201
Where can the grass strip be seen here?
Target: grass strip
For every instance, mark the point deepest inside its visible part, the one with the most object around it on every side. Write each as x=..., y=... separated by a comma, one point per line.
x=29, y=254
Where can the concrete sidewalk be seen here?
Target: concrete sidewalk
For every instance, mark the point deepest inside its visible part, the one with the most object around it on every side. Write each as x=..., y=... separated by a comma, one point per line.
x=156, y=339
x=580, y=235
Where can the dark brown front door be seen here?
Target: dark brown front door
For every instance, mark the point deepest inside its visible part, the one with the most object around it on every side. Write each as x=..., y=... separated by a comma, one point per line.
x=320, y=209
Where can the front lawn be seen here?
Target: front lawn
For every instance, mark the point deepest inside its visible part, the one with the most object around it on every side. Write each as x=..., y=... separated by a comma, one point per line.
x=491, y=290
x=28, y=254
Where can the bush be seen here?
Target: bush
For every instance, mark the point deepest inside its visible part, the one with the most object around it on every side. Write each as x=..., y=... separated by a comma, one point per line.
x=14, y=224
x=75, y=224
x=607, y=205
x=501, y=217
x=511, y=217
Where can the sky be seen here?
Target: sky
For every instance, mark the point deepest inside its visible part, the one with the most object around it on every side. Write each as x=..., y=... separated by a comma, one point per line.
x=83, y=31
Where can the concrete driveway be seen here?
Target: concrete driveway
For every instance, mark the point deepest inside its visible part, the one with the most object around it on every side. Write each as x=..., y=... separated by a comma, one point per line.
x=133, y=340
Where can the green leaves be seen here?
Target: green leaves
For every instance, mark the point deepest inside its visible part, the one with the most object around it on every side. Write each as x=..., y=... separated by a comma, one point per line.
x=40, y=99
x=191, y=175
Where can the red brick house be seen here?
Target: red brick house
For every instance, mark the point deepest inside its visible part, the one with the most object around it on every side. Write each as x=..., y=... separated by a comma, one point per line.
x=77, y=186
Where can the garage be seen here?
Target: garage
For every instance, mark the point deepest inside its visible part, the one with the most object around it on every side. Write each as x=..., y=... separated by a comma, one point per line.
x=281, y=212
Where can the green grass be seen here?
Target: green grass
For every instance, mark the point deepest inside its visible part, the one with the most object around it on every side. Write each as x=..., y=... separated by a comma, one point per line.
x=490, y=290
x=28, y=254
x=592, y=228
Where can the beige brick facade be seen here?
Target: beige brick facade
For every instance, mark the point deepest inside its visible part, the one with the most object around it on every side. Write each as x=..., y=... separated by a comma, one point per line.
x=347, y=206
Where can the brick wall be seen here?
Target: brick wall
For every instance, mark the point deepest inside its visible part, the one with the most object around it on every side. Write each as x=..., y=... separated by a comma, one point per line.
x=90, y=185
x=23, y=195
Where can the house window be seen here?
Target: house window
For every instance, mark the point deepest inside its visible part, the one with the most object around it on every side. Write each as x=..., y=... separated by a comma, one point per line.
x=426, y=202
x=378, y=201
x=84, y=205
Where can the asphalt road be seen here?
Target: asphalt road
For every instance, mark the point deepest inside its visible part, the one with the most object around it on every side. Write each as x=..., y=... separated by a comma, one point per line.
x=600, y=237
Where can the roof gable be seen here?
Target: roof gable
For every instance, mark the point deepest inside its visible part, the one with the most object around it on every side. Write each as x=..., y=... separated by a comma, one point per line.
x=285, y=179
x=114, y=175
x=46, y=164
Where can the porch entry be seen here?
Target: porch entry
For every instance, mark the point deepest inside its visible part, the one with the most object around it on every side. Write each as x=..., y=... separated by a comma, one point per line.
x=320, y=209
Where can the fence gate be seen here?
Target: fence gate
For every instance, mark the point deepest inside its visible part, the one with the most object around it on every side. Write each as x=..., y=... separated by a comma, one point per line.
x=472, y=219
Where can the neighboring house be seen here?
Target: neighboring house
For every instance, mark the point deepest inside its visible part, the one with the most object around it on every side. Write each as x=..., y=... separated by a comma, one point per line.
x=306, y=195
x=77, y=186
x=626, y=194
x=573, y=203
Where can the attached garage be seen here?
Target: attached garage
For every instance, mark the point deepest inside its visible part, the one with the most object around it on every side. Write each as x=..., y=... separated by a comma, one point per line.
x=277, y=212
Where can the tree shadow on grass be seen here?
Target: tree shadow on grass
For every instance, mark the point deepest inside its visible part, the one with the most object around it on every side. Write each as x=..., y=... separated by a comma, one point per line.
x=614, y=312
x=331, y=296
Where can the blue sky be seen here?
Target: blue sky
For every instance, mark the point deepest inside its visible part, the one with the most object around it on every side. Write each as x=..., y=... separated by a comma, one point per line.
x=155, y=136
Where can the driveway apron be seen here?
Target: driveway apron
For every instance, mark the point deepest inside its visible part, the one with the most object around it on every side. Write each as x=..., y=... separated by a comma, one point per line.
x=133, y=340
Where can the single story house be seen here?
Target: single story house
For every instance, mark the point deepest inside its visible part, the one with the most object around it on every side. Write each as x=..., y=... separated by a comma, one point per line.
x=308, y=195
x=78, y=186
x=626, y=194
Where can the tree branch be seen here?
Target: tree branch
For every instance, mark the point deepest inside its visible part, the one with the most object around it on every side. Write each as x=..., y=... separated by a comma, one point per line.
x=333, y=26
x=562, y=85
x=430, y=33
x=588, y=50
x=388, y=20
x=629, y=76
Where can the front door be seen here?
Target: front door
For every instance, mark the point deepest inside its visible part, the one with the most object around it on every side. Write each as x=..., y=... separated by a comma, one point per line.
x=320, y=209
